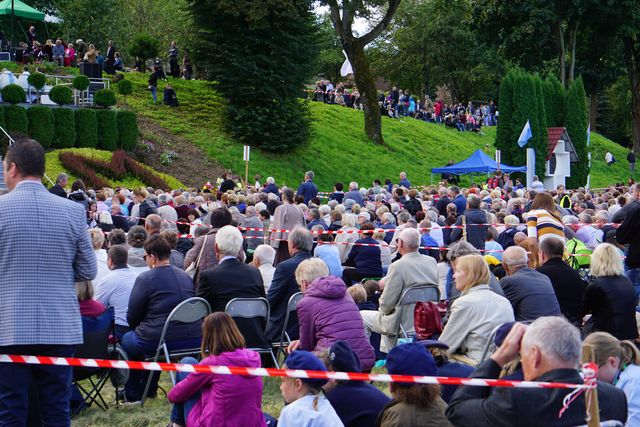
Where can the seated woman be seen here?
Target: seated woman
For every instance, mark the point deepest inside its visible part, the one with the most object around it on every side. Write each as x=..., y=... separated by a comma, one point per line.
x=154, y=295
x=202, y=399
x=610, y=297
x=88, y=306
x=327, y=313
x=329, y=253
x=365, y=259
x=618, y=365
x=476, y=313
x=413, y=404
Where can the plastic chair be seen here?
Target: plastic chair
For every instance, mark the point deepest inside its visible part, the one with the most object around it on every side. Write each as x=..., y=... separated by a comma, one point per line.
x=410, y=297
x=188, y=311
x=252, y=308
x=292, y=306
x=95, y=334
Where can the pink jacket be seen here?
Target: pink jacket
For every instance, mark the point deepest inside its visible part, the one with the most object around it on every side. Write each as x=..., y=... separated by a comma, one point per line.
x=225, y=400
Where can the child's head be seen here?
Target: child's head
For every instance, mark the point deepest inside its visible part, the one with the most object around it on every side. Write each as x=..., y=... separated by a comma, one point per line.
x=295, y=388
x=371, y=287
x=358, y=293
x=413, y=359
x=220, y=334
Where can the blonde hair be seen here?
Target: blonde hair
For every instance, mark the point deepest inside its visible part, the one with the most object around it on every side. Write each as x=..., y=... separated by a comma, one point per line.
x=606, y=261
x=358, y=293
x=530, y=244
x=605, y=345
x=141, y=192
x=84, y=290
x=97, y=238
x=476, y=268
x=310, y=270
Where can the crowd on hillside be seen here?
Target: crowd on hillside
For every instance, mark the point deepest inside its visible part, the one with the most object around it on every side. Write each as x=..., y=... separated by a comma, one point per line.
x=521, y=278
x=398, y=103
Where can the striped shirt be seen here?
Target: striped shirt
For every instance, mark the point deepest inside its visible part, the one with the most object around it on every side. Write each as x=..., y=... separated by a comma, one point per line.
x=541, y=224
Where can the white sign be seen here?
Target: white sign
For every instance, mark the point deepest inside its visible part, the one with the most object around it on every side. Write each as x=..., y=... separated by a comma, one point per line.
x=247, y=151
x=498, y=158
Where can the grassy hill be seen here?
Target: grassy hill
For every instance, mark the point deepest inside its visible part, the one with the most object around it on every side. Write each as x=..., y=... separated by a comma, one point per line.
x=338, y=150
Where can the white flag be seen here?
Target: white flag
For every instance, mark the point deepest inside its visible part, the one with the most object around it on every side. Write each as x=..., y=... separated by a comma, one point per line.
x=346, y=68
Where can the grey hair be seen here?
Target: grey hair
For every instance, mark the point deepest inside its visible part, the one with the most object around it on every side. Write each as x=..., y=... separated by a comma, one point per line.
x=432, y=215
x=411, y=238
x=569, y=219
x=474, y=201
x=389, y=217
x=301, y=239
x=270, y=180
x=515, y=256
x=163, y=199
x=314, y=213
x=403, y=217
x=324, y=210
x=555, y=337
x=585, y=218
x=250, y=211
x=332, y=204
x=310, y=270
x=460, y=249
x=603, y=215
x=62, y=177
x=353, y=185
x=309, y=174
x=229, y=241
x=265, y=253
x=365, y=215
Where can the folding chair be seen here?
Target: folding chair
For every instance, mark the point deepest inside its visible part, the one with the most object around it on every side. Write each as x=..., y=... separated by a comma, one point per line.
x=95, y=334
x=252, y=308
x=410, y=297
x=292, y=307
x=489, y=345
x=188, y=311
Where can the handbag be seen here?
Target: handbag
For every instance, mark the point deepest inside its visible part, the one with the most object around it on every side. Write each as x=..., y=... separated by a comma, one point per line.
x=427, y=320
x=193, y=267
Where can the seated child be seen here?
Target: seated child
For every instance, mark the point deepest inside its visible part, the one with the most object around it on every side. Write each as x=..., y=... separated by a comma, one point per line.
x=170, y=97
x=306, y=407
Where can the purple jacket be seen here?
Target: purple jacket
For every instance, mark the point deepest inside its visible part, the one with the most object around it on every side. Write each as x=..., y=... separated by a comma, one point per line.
x=229, y=400
x=328, y=314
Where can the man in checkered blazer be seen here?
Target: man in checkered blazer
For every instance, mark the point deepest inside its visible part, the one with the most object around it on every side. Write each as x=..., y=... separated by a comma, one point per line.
x=44, y=249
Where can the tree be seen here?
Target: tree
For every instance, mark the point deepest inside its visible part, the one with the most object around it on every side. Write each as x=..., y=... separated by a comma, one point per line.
x=576, y=123
x=261, y=54
x=504, y=134
x=342, y=16
x=330, y=58
x=144, y=47
x=554, y=99
x=539, y=131
x=104, y=22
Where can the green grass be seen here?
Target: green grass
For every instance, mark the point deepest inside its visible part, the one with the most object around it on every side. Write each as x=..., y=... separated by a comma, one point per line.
x=53, y=167
x=338, y=150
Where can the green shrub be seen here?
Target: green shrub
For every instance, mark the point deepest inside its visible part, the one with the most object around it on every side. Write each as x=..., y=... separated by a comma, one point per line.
x=61, y=95
x=127, y=129
x=81, y=82
x=41, y=126
x=107, y=130
x=37, y=80
x=86, y=128
x=13, y=94
x=576, y=122
x=16, y=119
x=144, y=47
x=64, y=134
x=104, y=98
x=125, y=87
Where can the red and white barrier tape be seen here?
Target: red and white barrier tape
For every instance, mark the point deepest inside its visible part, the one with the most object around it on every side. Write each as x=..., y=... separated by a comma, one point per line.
x=270, y=372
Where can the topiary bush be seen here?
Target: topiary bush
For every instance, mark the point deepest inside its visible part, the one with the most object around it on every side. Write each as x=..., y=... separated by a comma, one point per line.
x=16, y=119
x=81, y=82
x=64, y=134
x=104, y=98
x=86, y=128
x=107, y=130
x=41, y=126
x=144, y=47
x=37, y=80
x=13, y=94
x=61, y=95
x=125, y=87
x=127, y=130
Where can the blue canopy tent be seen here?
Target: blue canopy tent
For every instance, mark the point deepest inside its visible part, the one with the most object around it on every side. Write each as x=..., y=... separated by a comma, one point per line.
x=478, y=162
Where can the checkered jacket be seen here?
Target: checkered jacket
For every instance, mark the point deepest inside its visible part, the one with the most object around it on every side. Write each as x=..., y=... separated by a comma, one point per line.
x=44, y=248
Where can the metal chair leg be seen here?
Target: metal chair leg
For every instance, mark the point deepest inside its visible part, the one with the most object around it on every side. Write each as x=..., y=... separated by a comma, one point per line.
x=148, y=384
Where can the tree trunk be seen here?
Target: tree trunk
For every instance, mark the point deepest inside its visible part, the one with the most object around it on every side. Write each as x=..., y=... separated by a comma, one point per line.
x=593, y=110
x=573, y=37
x=632, y=59
x=366, y=86
x=561, y=53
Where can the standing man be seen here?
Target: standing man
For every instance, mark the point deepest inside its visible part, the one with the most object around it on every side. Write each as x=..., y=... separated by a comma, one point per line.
x=40, y=260
x=31, y=36
x=173, y=61
x=404, y=182
x=111, y=58
x=631, y=158
x=307, y=189
x=61, y=182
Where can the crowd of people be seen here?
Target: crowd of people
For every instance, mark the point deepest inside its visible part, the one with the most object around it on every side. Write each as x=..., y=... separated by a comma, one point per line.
x=401, y=103
x=526, y=278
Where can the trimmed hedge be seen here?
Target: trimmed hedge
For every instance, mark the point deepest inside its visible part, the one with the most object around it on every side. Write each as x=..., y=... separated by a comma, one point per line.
x=86, y=128
x=127, y=129
x=104, y=98
x=16, y=118
x=81, y=82
x=61, y=95
x=107, y=130
x=13, y=94
x=64, y=135
x=41, y=127
x=37, y=80
x=125, y=87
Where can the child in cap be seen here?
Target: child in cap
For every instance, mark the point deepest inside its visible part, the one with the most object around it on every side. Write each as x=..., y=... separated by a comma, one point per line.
x=306, y=407
x=413, y=404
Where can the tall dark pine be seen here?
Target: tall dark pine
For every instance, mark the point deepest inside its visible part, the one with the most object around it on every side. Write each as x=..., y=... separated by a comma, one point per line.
x=576, y=123
x=261, y=55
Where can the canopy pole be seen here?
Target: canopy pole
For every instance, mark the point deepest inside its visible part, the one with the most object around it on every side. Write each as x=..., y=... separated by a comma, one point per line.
x=12, y=25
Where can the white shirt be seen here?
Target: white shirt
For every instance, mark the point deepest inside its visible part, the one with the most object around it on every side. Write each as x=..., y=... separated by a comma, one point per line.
x=301, y=413
x=629, y=382
x=169, y=217
x=608, y=157
x=114, y=291
x=103, y=269
x=266, y=271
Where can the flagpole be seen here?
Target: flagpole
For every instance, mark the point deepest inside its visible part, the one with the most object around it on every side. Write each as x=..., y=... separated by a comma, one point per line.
x=589, y=155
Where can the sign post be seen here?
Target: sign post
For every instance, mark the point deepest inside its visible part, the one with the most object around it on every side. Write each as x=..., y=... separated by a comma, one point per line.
x=498, y=158
x=246, y=153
